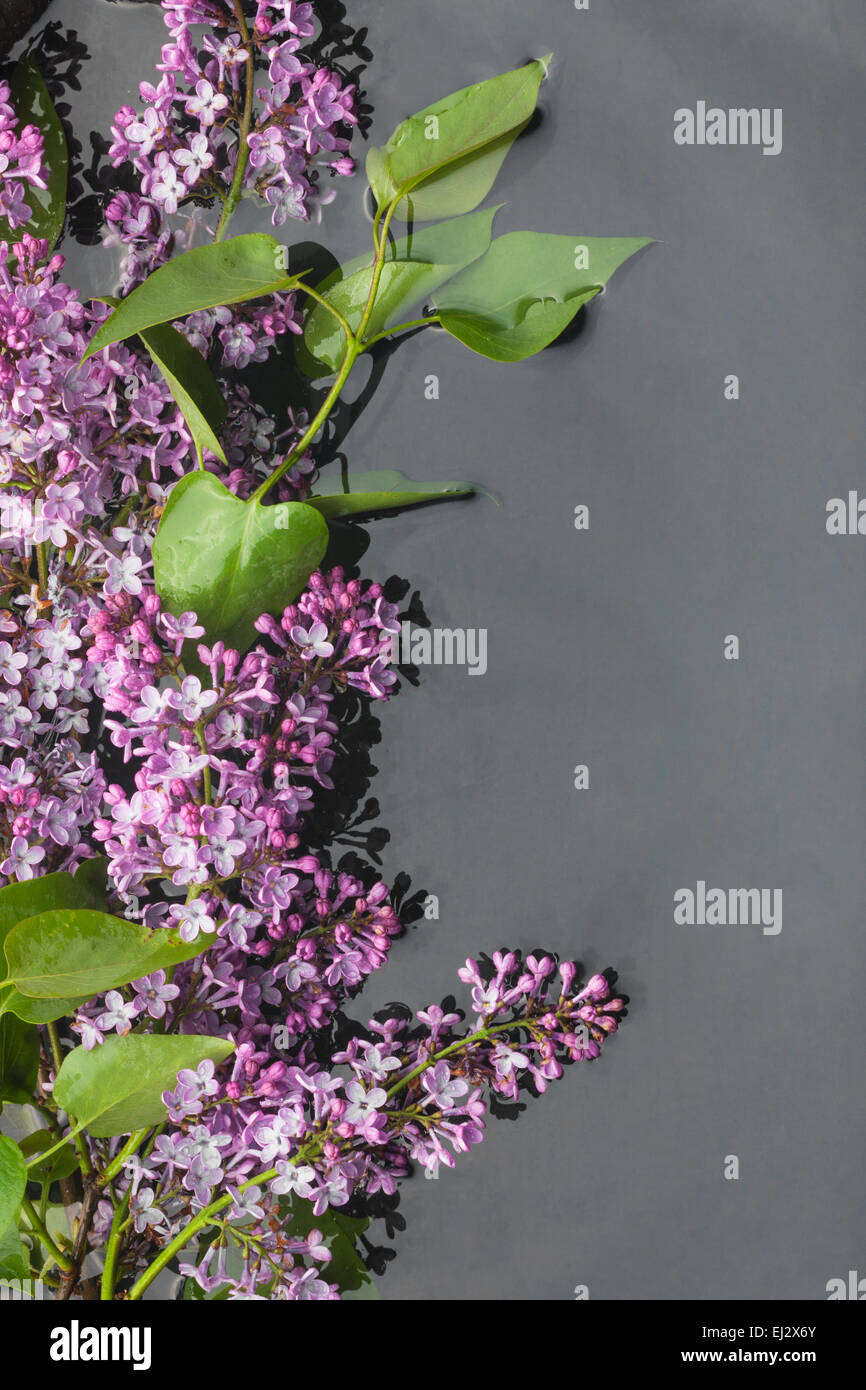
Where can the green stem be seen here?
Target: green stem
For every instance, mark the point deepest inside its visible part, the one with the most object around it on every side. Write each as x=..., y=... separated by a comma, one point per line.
x=205, y=1217
x=112, y=1249
x=234, y=193
x=55, y=1148
x=42, y=566
x=116, y=1164
x=84, y=1162
x=199, y=733
x=41, y=1231
x=400, y=328
x=309, y=435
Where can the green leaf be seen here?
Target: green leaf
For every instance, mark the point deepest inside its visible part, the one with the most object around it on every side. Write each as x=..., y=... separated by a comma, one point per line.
x=13, y=1260
x=526, y=290
x=230, y=561
x=416, y=266
x=339, y=1233
x=19, y=1059
x=384, y=491
x=21, y=900
x=192, y=384
x=13, y=1181
x=33, y=106
x=60, y=1165
x=455, y=148
x=190, y=381
x=76, y=952
x=225, y=272
x=118, y=1087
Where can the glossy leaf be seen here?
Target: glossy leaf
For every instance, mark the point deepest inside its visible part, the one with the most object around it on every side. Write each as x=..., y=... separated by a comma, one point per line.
x=118, y=1087
x=384, y=491
x=13, y=1259
x=224, y=272
x=33, y=106
x=20, y=900
x=78, y=952
x=190, y=381
x=60, y=1165
x=231, y=561
x=19, y=1059
x=13, y=1181
x=193, y=385
x=449, y=154
x=416, y=266
x=526, y=290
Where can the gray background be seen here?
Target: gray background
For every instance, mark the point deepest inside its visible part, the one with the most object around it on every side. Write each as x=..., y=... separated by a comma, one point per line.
x=605, y=648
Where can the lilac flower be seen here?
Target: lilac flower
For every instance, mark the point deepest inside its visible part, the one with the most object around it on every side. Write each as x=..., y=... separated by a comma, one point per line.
x=297, y=1181
x=154, y=994
x=119, y=1015
x=192, y=919
x=313, y=643
x=207, y=104
x=192, y=161
x=22, y=859
x=442, y=1089
x=143, y=1211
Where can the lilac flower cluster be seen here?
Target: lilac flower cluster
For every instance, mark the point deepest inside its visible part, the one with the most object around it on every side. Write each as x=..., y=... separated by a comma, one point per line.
x=192, y=768
x=21, y=163
x=196, y=125
x=271, y=1135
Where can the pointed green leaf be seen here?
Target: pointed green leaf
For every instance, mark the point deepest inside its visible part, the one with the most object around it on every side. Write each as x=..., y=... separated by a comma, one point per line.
x=448, y=155
x=230, y=561
x=416, y=266
x=33, y=106
x=193, y=385
x=75, y=952
x=118, y=1087
x=13, y=1181
x=383, y=491
x=526, y=290
x=225, y=272
x=190, y=381
x=19, y=1060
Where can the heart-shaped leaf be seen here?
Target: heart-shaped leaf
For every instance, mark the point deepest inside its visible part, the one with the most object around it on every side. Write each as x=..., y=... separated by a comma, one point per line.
x=33, y=106
x=118, y=1087
x=385, y=490
x=13, y=1181
x=75, y=952
x=190, y=381
x=224, y=272
x=454, y=148
x=60, y=1165
x=230, y=561
x=19, y=1059
x=526, y=290
x=416, y=266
